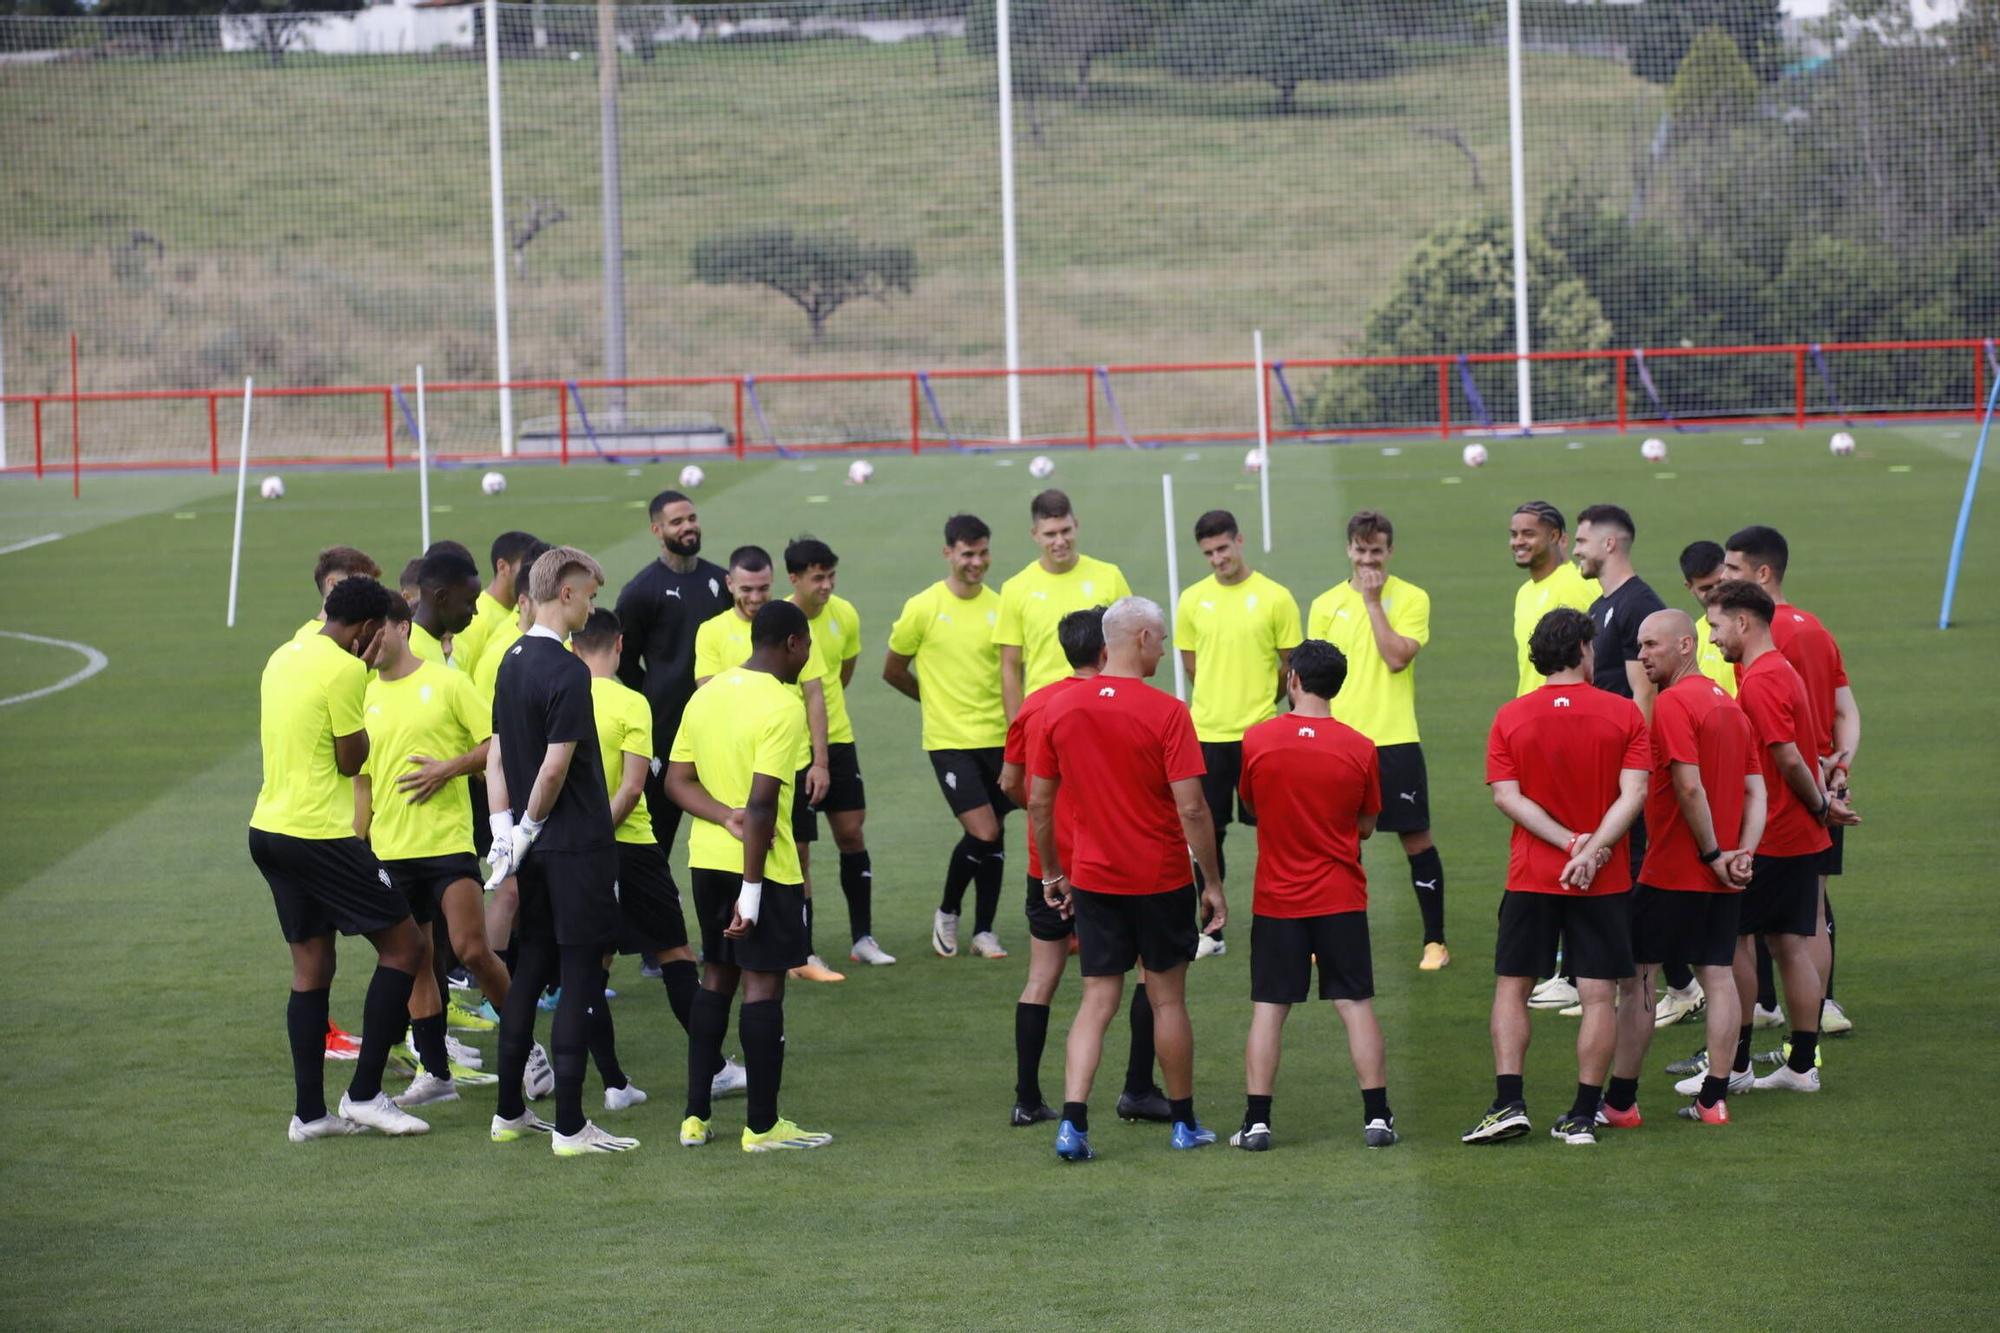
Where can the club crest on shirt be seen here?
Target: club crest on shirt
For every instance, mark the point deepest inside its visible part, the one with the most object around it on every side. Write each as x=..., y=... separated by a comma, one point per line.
x=1089, y=588
x=383, y=875
x=714, y=588
x=1308, y=733
x=951, y=781
x=1562, y=703
x=1250, y=602
x=424, y=693
x=992, y=618
x=1108, y=692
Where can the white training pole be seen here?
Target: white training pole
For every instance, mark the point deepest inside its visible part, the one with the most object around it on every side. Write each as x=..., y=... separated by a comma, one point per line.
x=423, y=464
x=505, y=363
x=242, y=482
x=1263, y=438
x=1173, y=583
x=1518, y=154
x=3, y=384
x=1009, y=264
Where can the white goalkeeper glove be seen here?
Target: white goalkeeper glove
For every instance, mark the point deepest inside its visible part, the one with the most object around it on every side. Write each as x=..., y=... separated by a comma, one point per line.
x=750, y=900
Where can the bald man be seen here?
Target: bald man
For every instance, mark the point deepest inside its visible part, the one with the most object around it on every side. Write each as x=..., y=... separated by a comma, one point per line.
x=1705, y=809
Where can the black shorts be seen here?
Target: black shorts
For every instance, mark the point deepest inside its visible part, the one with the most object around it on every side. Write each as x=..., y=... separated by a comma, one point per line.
x=1406, y=789
x=1829, y=860
x=1282, y=950
x=777, y=943
x=1224, y=760
x=482, y=826
x=648, y=903
x=1044, y=921
x=1676, y=926
x=805, y=827
x=570, y=898
x=320, y=885
x=422, y=880
x=1595, y=932
x=970, y=779
x=843, y=788
x=1783, y=897
x=1116, y=930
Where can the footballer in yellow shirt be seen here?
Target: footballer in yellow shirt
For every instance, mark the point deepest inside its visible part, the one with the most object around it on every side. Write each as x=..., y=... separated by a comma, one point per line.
x=450, y=593
x=1032, y=603
x=334, y=564
x=1701, y=571
x=1380, y=623
x=1537, y=535
x=942, y=654
x=512, y=553
x=322, y=877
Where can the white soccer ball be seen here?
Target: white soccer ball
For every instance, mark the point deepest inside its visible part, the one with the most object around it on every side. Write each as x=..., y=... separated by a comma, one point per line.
x=692, y=476
x=1841, y=445
x=1041, y=465
x=1253, y=461
x=1654, y=450
x=859, y=472
x=1474, y=455
x=493, y=483
x=272, y=488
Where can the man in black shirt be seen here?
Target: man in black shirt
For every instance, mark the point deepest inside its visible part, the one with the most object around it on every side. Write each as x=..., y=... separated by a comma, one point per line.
x=1604, y=536
x=552, y=830
x=659, y=611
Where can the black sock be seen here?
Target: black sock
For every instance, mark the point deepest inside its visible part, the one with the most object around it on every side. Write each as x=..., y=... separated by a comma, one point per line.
x=604, y=1046
x=1139, y=1062
x=1714, y=1087
x=517, y=1027
x=1832, y=952
x=1182, y=1110
x=811, y=948
x=385, y=1016
x=1588, y=1097
x=681, y=978
x=857, y=885
x=1031, y=1037
x=1078, y=1116
x=1427, y=881
x=958, y=872
x=1678, y=975
x=708, y=1024
x=1622, y=1094
x=1507, y=1090
x=569, y=1035
x=762, y=1028
x=508, y=957
x=1742, y=1061
x=1256, y=1111
x=305, y=1024
x=1375, y=1104
x=986, y=877
x=1767, y=980
x=428, y=1034
x=1804, y=1046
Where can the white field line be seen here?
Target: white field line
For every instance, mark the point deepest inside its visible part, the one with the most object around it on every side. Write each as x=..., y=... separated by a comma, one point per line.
x=93, y=662
x=42, y=540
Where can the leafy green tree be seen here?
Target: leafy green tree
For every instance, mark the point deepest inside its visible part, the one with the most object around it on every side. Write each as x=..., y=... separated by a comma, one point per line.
x=1058, y=42
x=818, y=271
x=1282, y=42
x=1667, y=28
x=1714, y=89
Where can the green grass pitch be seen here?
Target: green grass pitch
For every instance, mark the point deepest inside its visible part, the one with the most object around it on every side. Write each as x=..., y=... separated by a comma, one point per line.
x=146, y=1179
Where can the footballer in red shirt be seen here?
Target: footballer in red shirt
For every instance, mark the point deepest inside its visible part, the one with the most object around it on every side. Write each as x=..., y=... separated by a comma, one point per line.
x=1781, y=902
x=1128, y=755
x=1568, y=764
x=1705, y=812
x=1315, y=787
x=1051, y=934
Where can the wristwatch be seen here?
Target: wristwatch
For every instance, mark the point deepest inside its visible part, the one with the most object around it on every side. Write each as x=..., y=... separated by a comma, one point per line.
x=1710, y=858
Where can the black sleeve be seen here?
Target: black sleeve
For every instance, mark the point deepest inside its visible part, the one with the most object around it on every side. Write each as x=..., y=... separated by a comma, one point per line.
x=567, y=714
x=635, y=622
x=1643, y=605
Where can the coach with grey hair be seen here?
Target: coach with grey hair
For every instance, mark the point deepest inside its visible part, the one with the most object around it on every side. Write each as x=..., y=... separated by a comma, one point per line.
x=1129, y=756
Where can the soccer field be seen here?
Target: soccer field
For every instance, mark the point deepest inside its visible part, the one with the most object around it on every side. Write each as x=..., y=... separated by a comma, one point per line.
x=147, y=1180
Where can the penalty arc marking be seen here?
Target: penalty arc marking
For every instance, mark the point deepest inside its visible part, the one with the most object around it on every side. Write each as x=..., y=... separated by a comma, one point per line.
x=93, y=662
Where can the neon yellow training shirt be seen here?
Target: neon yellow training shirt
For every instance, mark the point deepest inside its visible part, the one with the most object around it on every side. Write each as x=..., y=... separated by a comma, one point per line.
x=1566, y=586
x=836, y=636
x=433, y=711
x=311, y=692
x=949, y=641
x=723, y=641
x=624, y=726
x=1033, y=603
x=1236, y=633
x=740, y=724
x=1379, y=703
x=470, y=643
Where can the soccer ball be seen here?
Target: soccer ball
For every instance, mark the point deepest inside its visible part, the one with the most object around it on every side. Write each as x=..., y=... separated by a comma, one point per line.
x=1474, y=455
x=272, y=488
x=1654, y=450
x=1253, y=461
x=860, y=471
x=1040, y=466
x=1841, y=445
x=692, y=476
x=493, y=483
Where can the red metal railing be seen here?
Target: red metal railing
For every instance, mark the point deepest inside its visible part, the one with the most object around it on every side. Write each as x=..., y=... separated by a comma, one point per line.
x=1618, y=413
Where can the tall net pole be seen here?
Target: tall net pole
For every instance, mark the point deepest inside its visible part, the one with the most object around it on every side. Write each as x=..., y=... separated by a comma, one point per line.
x=1010, y=275
x=496, y=161
x=1518, y=170
x=614, y=222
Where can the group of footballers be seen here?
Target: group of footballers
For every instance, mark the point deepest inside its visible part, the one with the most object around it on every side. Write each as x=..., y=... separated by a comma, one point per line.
x=1677, y=786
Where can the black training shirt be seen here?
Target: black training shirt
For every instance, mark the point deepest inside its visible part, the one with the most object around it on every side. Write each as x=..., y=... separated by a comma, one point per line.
x=541, y=697
x=659, y=612
x=1618, y=616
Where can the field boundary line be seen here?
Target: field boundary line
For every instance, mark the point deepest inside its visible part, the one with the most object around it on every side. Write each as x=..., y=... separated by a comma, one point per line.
x=93, y=662
x=42, y=540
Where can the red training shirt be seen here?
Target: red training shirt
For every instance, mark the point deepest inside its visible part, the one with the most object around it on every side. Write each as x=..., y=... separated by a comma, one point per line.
x=1024, y=734
x=1118, y=744
x=1774, y=696
x=1310, y=781
x=1566, y=745
x=1810, y=648
x=1695, y=722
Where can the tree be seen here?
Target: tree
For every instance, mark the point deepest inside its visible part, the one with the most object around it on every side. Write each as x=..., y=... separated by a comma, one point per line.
x=1282, y=42
x=1056, y=42
x=1714, y=89
x=1667, y=28
x=275, y=24
x=817, y=271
